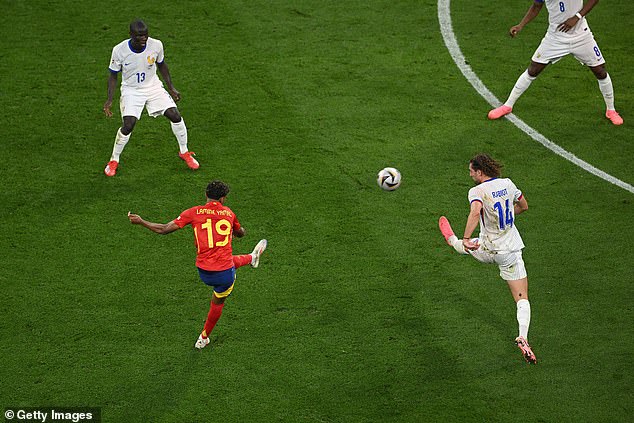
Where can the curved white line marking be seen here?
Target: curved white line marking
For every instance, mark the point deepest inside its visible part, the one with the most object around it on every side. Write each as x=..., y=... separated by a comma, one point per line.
x=444, y=18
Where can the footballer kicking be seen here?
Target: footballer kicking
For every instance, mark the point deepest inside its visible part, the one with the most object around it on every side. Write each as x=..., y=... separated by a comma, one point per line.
x=137, y=60
x=214, y=227
x=495, y=202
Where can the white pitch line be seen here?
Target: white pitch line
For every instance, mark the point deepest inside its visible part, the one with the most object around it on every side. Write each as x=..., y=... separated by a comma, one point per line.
x=444, y=18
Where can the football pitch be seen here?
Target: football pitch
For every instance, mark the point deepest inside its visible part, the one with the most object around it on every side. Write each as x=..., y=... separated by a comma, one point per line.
x=359, y=311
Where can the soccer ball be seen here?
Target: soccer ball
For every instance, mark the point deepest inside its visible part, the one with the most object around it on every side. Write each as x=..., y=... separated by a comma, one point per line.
x=389, y=179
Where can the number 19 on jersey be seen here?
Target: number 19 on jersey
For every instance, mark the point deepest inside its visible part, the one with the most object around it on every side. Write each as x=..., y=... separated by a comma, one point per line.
x=222, y=228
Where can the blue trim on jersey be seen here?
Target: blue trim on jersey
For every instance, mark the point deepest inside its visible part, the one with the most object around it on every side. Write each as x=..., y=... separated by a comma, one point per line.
x=113, y=71
x=160, y=63
x=220, y=280
x=133, y=50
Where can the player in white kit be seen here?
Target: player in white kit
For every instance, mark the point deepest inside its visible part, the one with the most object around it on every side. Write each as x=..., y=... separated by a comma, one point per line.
x=137, y=60
x=495, y=202
x=568, y=33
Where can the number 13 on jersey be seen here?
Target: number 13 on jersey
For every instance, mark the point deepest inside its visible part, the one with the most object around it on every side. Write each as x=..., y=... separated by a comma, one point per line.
x=222, y=228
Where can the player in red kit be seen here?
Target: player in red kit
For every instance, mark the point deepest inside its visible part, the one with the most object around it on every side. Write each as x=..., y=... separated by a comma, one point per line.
x=214, y=226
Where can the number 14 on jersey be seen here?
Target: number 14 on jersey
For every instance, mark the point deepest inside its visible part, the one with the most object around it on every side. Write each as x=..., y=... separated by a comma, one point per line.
x=505, y=213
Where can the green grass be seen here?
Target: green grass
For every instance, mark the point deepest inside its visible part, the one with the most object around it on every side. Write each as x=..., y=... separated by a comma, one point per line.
x=359, y=312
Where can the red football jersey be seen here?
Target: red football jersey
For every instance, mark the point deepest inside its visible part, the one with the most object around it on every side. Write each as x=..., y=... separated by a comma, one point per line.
x=213, y=226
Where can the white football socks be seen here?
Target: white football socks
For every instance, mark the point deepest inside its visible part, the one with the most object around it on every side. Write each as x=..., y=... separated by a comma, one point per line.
x=522, y=84
x=119, y=144
x=180, y=131
x=605, y=85
x=457, y=244
x=524, y=317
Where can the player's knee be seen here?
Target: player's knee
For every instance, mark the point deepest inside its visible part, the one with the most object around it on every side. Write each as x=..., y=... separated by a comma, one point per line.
x=128, y=126
x=533, y=72
x=535, y=69
x=600, y=72
x=173, y=115
x=218, y=300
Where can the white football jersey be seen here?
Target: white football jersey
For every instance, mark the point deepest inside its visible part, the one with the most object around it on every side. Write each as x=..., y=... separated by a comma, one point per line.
x=138, y=70
x=498, y=232
x=561, y=10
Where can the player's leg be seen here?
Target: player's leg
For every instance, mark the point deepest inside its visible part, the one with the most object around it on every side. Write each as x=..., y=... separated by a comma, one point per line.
x=131, y=108
x=587, y=52
x=215, y=311
x=607, y=90
x=519, y=290
x=120, y=141
x=549, y=50
x=253, y=258
x=180, y=132
x=161, y=103
x=241, y=260
x=451, y=239
x=216, y=306
x=222, y=283
x=178, y=127
x=129, y=122
x=521, y=85
x=524, y=81
x=513, y=270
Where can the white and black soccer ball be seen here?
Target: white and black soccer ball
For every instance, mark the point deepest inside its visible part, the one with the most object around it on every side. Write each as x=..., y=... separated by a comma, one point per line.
x=389, y=178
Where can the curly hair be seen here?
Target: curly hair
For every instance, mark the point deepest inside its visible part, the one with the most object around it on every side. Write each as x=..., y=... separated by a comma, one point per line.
x=216, y=190
x=487, y=165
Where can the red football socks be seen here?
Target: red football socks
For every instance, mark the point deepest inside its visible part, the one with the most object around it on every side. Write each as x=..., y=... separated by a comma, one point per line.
x=215, y=311
x=239, y=261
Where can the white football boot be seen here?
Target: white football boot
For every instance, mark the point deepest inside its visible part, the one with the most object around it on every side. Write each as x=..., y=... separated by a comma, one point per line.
x=201, y=342
x=257, y=252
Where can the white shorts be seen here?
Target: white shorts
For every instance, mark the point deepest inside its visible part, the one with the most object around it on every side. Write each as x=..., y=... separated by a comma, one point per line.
x=511, y=264
x=155, y=101
x=584, y=49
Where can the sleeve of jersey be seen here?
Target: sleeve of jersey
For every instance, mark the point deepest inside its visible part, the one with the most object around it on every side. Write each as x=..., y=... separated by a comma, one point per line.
x=184, y=219
x=161, y=54
x=115, y=62
x=517, y=193
x=474, y=195
x=236, y=224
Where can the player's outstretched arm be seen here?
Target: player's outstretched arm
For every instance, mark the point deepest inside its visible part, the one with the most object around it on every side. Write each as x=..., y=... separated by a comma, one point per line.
x=159, y=228
x=531, y=14
x=112, y=85
x=240, y=232
x=472, y=223
x=167, y=78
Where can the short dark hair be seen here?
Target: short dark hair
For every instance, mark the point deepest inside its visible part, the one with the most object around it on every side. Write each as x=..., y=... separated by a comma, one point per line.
x=217, y=189
x=487, y=165
x=137, y=26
